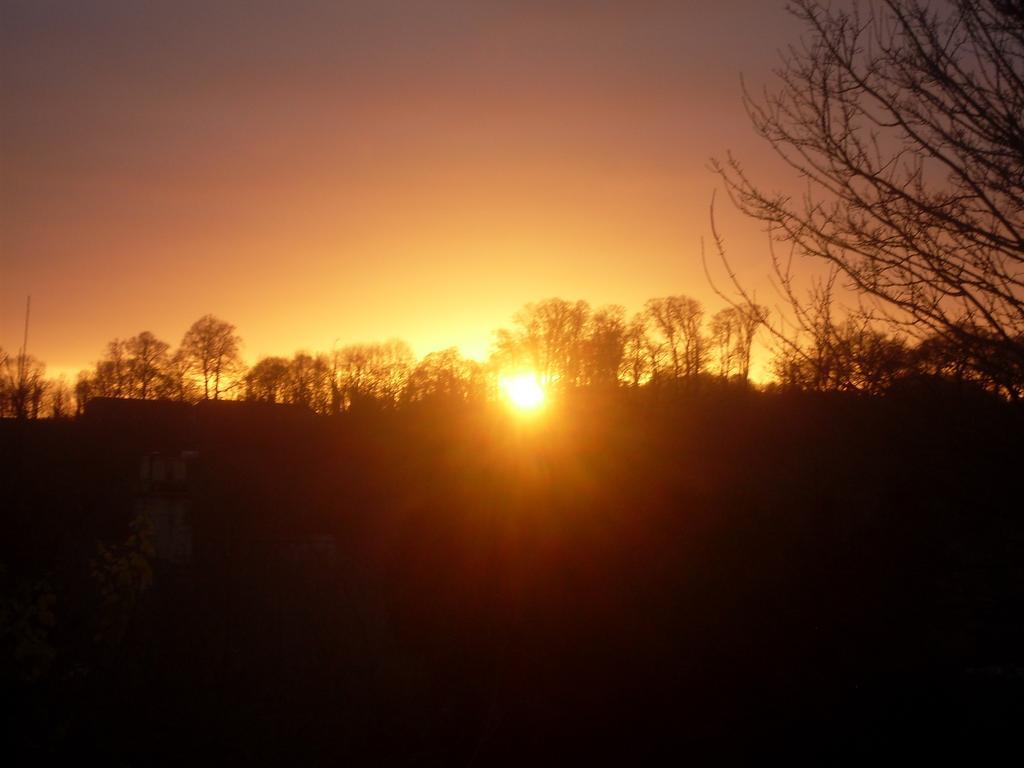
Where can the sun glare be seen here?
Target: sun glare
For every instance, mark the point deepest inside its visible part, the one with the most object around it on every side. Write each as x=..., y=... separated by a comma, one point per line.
x=523, y=391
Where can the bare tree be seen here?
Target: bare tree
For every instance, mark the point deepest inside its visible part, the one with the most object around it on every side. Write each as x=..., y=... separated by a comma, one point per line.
x=83, y=391
x=211, y=348
x=178, y=382
x=370, y=373
x=662, y=316
x=22, y=386
x=723, y=339
x=58, y=398
x=307, y=382
x=113, y=372
x=393, y=362
x=265, y=381
x=549, y=338
x=639, y=352
x=444, y=375
x=604, y=346
x=353, y=373
x=679, y=320
x=904, y=118
x=147, y=362
x=732, y=335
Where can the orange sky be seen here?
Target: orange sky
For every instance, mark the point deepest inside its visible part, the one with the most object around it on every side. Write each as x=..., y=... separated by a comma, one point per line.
x=321, y=171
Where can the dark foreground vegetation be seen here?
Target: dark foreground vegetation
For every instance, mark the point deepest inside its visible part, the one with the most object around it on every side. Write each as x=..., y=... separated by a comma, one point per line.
x=711, y=574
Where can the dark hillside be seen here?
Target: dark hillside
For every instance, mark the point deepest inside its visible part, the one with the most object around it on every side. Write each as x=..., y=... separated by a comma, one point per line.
x=715, y=574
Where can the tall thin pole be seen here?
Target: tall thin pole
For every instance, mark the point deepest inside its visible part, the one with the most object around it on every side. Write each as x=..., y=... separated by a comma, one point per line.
x=21, y=386
x=28, y=310
x=24, y=343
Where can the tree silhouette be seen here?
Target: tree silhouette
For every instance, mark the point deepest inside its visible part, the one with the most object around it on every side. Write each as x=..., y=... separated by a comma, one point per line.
x=638, y=352
x=179, y=383
x=211, y=349
x=905, y=122
x=22, y=386
x=444, y=375
x=265, y=381
x=605, y=345
x=58, y=398
x=148, y=357
x=113, y=373
x=549, y=338
x=307, y=382
x=370, y=373
x=732, y=335
x=391, y=364
x=83, y=391
x=679, y=320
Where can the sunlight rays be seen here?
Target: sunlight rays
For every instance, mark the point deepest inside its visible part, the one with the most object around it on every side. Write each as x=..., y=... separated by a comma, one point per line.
x=523, y=392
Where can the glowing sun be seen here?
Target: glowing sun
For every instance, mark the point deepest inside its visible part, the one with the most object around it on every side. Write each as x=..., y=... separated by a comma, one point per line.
x=523, y=391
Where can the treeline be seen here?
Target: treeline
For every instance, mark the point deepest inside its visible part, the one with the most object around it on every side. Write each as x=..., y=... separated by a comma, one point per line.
x=818, y=347
x=568, y=345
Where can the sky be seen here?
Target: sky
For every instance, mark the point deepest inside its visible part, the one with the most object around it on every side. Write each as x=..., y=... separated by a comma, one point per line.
x=324, y=173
